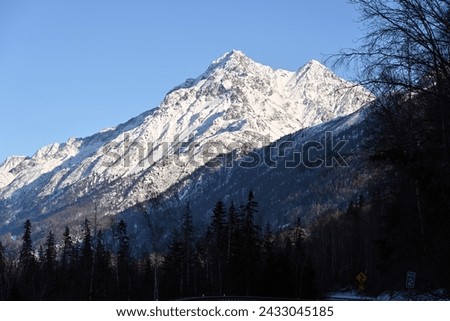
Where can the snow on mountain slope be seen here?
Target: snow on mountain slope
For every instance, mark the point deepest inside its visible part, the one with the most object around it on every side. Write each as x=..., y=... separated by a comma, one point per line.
x=6, y=177
x=236, y=104
x=286, y=185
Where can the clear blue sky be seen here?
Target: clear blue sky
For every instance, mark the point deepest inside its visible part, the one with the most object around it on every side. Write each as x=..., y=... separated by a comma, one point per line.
x=72, y=68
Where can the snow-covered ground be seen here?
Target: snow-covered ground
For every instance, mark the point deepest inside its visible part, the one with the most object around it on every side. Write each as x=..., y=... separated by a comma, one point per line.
x=352, y=295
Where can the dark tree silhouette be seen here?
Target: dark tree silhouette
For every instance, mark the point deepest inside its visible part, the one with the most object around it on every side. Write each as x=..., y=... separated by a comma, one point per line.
x=249, y=253
x=218, y=247
x=86, y=265
x=68, y=252
x=123, y=262
x=27, y=268
x=3, y=284
x=49, y=267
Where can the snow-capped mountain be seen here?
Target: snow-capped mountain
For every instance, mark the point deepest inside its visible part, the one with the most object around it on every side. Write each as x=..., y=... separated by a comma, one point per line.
x=285, y=185
x=236, y=104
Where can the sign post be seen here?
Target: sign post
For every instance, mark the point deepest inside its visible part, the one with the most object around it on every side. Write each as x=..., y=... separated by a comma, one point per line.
x=410, y=280
x=361, y=278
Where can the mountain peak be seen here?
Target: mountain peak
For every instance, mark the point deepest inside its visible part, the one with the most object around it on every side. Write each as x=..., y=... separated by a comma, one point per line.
x=231, y=60
x=315, y=70
x=314, y=62
x=233, y=57
x=314, y=65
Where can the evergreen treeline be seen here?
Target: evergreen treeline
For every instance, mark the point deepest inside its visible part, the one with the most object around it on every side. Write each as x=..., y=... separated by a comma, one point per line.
x=84, y=270
x=383, y=237
x=232, y=257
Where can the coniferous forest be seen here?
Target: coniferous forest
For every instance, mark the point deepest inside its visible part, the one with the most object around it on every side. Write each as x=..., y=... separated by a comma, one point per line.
x=235, y=257
x=232, y=257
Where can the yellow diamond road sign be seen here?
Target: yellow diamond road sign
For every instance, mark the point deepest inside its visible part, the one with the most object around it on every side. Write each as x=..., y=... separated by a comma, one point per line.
x=361, y=277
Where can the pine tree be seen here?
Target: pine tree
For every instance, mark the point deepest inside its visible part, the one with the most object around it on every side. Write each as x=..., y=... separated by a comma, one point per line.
x=50, y=253
x=218, y=225
x=300, y=264
x=86, y=263
x=27, y=266
x=251, y=230
x=102, y=272
x=218, y=247
x=233, y=230
x=86, y=251
x=68, y=251
x=26, y=258
x=250, y=249
x=3, y=286
x=173, y=269
x=49, y=267
x=123, y=262
x=187, y=229
x=68, y=268
x=235, y=238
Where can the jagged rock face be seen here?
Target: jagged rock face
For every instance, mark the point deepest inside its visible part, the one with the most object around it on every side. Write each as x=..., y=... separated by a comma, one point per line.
x=236, y=104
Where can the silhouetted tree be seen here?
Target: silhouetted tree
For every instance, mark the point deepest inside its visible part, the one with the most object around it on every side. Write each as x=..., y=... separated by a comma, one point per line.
x=102, y=285
x=26, y=258
x=68, y=252
x=123, y=262
x=218, y=247
x=249, y=253
x=49, y=267
x=86, y=267
x=3, y=285
x=27, y=269
x=173, y=268
x=50, y=253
